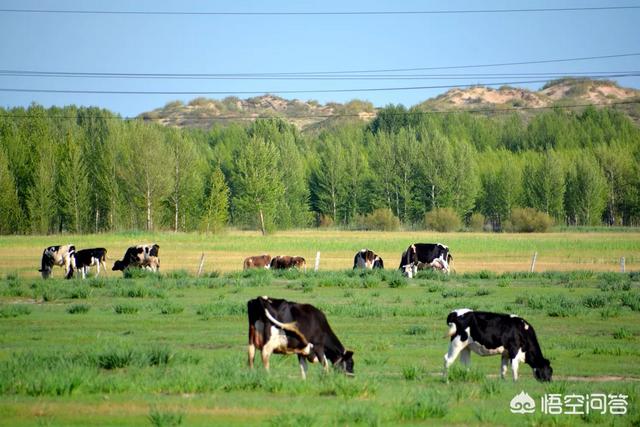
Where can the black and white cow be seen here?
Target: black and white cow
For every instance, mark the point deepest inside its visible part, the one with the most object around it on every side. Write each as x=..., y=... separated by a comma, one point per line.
x=286, y=327
x=420, y=256
x=142, y=256
x=61, y=255
x=488, y=334
x=367, y=259
x=86, y=258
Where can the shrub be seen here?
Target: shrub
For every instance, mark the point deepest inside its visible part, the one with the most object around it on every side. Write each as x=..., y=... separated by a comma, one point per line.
x=529, y=220
x=442, y=219
x=159, y=418
x=422, y=408
x=78, y=309
x=14, y=310
x=380, y=219
x=125, y=309
x=476, y=222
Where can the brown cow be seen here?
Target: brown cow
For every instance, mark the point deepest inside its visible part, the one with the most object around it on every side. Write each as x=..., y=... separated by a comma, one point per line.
x=258, y=261
x=282, y=262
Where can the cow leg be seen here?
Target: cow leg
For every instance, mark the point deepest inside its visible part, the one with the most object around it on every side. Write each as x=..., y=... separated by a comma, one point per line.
x=504, y=365
x=455, y=347
x=303, y=366
x=515, y=361
x=252, y=354
x=465, y=357
x=266, y=354
x=84, y=272
x=97, y=267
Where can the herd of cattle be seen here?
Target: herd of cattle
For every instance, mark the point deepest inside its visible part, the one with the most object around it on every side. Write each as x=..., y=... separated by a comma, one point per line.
x=286, y=327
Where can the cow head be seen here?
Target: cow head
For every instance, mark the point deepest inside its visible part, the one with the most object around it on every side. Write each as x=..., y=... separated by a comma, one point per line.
x=345, y=362
x=118, y=266
x=378, y=263
x=46, y=265
x=544, y=372
x=410, y=270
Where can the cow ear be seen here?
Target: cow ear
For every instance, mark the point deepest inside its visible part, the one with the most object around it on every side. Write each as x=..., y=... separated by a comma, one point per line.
x=348, y=354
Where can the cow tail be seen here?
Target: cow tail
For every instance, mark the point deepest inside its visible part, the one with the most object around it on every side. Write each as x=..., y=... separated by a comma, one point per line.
x=291, y=326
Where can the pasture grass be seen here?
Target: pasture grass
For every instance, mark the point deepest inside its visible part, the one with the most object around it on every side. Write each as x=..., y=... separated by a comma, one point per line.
x=171, y=349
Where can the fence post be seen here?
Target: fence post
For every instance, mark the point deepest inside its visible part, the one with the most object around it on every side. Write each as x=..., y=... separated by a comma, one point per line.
x=533, y=261
x=622, y=265
x=317, y=261
x=201, y=265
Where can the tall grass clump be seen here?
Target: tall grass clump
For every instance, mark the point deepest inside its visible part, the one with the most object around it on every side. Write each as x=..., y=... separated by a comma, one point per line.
x=78, y=309
x=168, y=307
x=357, y=415
x=422, y=408
x=221, y=308
x=631, y=300
x=160, y=418
x=14, y=310
x=125, y=309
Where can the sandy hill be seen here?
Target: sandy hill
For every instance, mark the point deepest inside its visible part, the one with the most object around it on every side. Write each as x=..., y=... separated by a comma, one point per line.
x=310, y=115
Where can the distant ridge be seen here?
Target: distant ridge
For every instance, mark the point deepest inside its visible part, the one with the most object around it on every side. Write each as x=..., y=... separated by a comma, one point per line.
x=310, y=115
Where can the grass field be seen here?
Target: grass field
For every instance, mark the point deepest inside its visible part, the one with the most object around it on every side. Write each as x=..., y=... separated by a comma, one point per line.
x=171, y=349
x=566, y=251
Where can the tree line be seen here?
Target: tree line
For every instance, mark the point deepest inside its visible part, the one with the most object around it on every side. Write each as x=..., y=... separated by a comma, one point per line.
x=85, y=170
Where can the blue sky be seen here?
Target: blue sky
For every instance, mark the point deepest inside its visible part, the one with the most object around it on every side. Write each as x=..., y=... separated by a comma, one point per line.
x=207, y=44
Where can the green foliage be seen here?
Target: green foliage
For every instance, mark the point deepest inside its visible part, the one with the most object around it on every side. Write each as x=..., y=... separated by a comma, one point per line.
x=477, y=222
x=216, y=209
x=443, y=220
x=78, y=309
x=529, y=220
x=381, y=219
x=160, y=418
x=580, y=168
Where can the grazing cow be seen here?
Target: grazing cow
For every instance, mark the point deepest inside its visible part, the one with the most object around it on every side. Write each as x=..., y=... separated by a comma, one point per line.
x=282, y=262
x=143, y=256
x=367, y=259
x=285, y=327
x=258, y=261
x=425, y=255
x=61, y=255
x=85, y=258
x=491, y=333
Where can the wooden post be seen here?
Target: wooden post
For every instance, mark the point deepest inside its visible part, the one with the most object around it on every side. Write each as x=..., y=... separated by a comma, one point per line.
x=533, y=261
x=201, y=265
x=622, y=265
x=317, y=262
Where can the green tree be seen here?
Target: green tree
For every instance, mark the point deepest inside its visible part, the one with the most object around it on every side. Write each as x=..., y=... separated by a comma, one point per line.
x=186, y=181
x=73, y=184
x=257, y=185
x=10, y=211
x=543, y=185
x=328, y=179
x=585, y=196
x=216, y=203
x=143, y=170
x=41, y=201
x=499, y=187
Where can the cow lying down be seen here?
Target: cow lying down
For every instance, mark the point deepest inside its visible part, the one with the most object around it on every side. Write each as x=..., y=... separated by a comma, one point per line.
x=487, y=334
x=286, y=327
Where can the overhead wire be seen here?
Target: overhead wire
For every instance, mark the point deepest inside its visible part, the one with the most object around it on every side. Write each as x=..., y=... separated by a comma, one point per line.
x=314, y=13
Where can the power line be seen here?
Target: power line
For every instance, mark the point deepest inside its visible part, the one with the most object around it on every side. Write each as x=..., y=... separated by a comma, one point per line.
x=333, y=77
x=329, y=116
x=321, y=13
x=345, y=72
x=202, y=92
